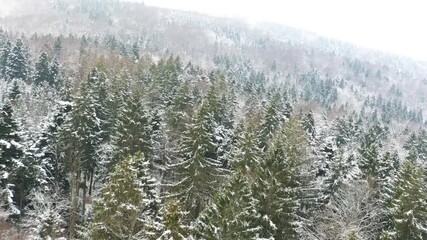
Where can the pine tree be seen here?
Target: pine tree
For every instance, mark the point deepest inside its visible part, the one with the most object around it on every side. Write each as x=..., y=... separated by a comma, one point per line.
x=229, y=216
x=79, y=141
x=132, y=132
x=174, y=227
x=48, y=152
x=124, y=208
x=279, y=183
x=246, y=152
x=198, y=173
x=271, y=121
x=4, y=55
x=17, y=62
x=11, y=153
x=308, y=122
x=408, y=208
x=42, y=70
x=180, y=112
x=15, y=92
x=54, y=70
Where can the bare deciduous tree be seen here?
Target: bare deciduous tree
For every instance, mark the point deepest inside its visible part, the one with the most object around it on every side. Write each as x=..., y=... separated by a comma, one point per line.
x=353, y=211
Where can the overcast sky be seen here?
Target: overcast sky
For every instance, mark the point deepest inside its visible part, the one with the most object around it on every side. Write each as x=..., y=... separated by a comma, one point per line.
x=398, y=27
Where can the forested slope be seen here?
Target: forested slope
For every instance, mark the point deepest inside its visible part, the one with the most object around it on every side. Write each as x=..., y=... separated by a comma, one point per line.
x=121, y=121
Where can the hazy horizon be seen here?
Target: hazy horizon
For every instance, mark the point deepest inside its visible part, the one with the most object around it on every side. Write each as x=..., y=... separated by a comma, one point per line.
x=389, y=26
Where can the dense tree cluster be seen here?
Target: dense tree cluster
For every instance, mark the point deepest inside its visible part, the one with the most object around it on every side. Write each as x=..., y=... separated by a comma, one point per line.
x=124, y=144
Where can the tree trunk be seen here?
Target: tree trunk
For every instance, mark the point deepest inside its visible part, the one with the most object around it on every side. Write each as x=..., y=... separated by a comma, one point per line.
x=91, y=184
x=75, y=189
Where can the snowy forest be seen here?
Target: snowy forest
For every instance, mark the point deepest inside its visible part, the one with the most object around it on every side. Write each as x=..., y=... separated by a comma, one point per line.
x=123, y=121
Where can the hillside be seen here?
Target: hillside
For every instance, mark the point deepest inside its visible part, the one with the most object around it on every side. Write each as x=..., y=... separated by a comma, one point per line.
x=124, y=121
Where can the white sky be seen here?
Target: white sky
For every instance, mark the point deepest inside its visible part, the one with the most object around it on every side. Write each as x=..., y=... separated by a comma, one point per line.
x=396, y=26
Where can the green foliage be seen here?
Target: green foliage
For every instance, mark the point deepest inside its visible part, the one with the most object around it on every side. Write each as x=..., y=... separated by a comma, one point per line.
x=279, y=182
x=11, y=151
x=17, y=62
x=132, y=132
x=408, y=207
x=123, y=210
x=198, y=173
x=174, y=226
x=229, y=215
x=42, y=69
x=4, y=55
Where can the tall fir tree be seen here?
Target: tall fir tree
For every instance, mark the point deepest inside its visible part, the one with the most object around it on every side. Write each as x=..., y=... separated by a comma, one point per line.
x=229, y=215
x=79, y=141
x=198, y=173
x=279, y=183
x=174, y=226
x=271, y=121
x=246, y=152
x=124, y=208
x=132, y=132
x=42, y=70
x=11, y=153
x=17, y=62
x=54, y=73
x=408, y=206
x=4, y=55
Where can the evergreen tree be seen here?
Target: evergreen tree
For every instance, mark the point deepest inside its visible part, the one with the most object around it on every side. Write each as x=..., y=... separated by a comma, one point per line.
x=57, y=47
x=246, y=153
x=11, y=153
x=124, y=207
x=271, y=121
x=369, y=160
x=229, y=216
x=4, y=55
x=97, y=88
x=49, y=154
x=15, y=92
x=42, y=70
x=54, y=70
x=308, y=122
x=17, y=62
x=79, y=141
x=181, y=111
x=198, y=173
x=174, y=226
x=279, y=183
x=408, y=208
x=132, y=132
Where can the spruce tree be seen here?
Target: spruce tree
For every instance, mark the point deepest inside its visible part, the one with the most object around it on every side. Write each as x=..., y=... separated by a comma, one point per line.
x=4, y=55
x=15, y=92
x=181, y=110
x=279, y=183
x=308, y=122
x=124, y=207
x=246, y=152
x=42, y=70
x=271, y=121
x=408, y=207
x=198, y=173
x=174, y=226
x=132, y=132
x=54, y=73
x=11, y=153
x=79, y=141
x=229, y=215
x=17, y=62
